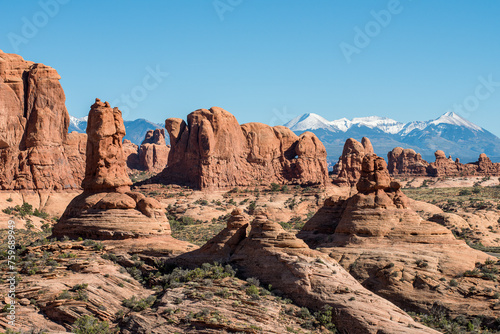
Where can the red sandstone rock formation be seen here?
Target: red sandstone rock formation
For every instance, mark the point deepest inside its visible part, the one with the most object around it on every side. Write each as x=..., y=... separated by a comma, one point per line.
x=351, y=159
x=406, y=162
x=391, y=249
x=153, y=152
x=36, y=151
x=213, y=150
x=107, y=209
x=311, y=278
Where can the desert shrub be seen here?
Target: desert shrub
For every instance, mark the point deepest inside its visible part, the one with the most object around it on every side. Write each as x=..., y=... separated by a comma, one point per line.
x=206, y=271
x=464, y=192
x=421, y=263
x=275, y=187
x=41, y=214
x=324, y=317
x=137, y=305
x=252, y=291
x=90, y=325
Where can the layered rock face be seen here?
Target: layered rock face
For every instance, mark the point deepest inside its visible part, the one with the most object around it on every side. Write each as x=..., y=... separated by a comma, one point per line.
x=390, y=249
x=153, y=152
x=107, y=209
x=406, y=162
x=311, y=278
x=36, y=151
x=351, y=160
x=213, y=150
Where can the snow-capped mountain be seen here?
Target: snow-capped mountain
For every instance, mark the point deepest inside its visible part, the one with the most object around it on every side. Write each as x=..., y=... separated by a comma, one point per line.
x=450, y=132
x=136, y=130
x=77, y=124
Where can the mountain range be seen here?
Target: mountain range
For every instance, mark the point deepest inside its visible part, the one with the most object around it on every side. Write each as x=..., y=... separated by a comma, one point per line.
x=450, y=132
x=136, y=129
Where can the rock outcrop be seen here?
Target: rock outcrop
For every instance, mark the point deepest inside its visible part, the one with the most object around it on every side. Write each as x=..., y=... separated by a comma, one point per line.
x=310, y=278
x=406, y=162
x=391, y=250
x=107, y=209
x=36, y=151
x=350, y=162
x=153, y=152
x=212, y=150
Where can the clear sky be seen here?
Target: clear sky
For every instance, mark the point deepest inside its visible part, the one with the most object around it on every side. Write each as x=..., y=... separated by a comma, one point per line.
x=267, y=60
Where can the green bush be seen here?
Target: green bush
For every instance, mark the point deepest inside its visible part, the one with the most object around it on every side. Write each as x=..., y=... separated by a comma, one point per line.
x=90, y=325
x=275, y=187
x=41, y=214
x=138, y=305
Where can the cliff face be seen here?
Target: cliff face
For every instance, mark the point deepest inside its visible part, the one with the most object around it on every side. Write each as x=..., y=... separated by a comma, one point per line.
x=36, y=151
x=213, y=150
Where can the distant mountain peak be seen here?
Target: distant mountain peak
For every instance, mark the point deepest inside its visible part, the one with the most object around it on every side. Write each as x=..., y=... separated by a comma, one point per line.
x=455, y=119
x=312, y=121
x=449, y=132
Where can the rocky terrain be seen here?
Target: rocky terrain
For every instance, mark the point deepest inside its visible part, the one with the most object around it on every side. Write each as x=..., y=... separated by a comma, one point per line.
x=36, y=151
x=212, y=150
x=243, y=231
x=387, y=246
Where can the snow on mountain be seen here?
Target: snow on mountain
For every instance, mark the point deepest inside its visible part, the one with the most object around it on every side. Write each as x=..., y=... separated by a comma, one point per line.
x=383, y=123
x=449, y=132
x=313, y=121
x=78, y=124
x=136, y=129
x=454, y=119
x=309, y=121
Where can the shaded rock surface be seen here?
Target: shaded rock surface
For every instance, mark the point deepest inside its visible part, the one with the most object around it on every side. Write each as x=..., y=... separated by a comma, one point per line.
x=387, y=246
x=308, y=277
x=130, y=150
x=107, y=209
x=213, y=150
x=36, y=151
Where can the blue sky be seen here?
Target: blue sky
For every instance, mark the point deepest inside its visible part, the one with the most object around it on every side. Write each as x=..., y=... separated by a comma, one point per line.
x=267, y=60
